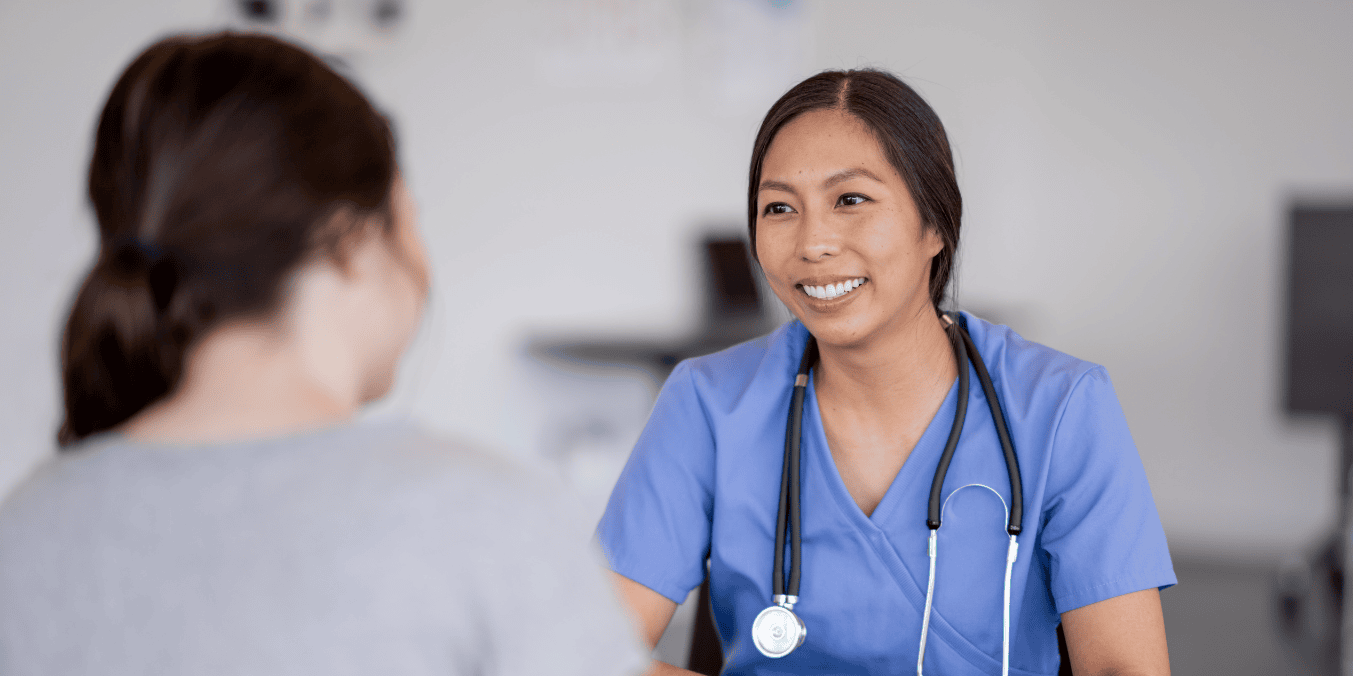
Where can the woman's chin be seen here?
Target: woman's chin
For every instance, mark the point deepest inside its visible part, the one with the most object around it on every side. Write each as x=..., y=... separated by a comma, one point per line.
x=841, y=331
x=378, y=387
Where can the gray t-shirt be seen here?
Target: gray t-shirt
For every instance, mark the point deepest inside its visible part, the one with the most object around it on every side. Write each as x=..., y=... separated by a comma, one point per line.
x=366, y=549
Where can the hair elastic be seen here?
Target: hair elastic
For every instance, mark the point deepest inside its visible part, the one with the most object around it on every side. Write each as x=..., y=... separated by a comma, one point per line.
x=138, y=256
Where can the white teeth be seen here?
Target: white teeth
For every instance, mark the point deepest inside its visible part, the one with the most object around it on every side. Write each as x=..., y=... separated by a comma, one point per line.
x=836, y=290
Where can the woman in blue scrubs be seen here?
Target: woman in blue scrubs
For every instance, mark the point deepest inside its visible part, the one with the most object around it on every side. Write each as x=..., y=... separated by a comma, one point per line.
x=853, y=213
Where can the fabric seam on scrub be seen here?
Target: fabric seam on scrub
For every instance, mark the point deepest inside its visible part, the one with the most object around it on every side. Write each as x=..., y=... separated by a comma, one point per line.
x=1062, y=406
x=704, y=410
x=1061, y=413
x=705, y=562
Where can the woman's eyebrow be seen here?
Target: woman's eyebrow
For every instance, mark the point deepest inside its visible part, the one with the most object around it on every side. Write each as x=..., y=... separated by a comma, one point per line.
x=847, y=174
x=839, y=177
x=777, y=185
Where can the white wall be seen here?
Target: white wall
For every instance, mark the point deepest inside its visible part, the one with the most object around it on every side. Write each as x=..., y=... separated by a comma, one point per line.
x=1125, y=166
x=1127, y=171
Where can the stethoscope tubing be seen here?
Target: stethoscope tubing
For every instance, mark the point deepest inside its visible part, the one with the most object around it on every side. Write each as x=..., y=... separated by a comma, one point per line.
x=789, y=482
x=1016, y=523
x=933, y=511
x=788, y=517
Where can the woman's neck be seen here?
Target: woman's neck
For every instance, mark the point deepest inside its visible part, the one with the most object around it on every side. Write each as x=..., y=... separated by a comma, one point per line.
x=897, y=371
x=246, y=381
x=878, y=398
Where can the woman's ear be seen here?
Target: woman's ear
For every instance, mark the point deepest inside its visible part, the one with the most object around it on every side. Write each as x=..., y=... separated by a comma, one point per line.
x=406, y=236
x=345, y=234
x=931, y=241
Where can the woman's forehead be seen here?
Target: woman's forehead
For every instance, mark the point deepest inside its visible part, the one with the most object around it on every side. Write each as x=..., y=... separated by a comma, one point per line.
x=826, y=146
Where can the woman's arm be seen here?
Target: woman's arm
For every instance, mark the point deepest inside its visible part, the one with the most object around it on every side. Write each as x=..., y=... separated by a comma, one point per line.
x=1121, y=636
x=653, y=612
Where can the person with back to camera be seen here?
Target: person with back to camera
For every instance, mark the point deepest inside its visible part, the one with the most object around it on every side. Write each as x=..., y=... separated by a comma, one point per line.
x=214, y=508
x=879, y=486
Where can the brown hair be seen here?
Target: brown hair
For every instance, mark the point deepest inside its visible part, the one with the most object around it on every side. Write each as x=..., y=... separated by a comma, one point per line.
x=912, y=139
x=219, y=164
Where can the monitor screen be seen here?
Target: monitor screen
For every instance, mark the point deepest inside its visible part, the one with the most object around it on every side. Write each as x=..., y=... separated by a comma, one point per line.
x=732, y=281
x=1320, y=310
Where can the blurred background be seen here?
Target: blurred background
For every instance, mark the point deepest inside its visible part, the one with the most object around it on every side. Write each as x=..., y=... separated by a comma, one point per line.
x=1130, y=172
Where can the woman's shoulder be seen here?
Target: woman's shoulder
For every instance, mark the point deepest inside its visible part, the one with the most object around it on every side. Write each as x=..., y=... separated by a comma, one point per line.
x=1027, y=370
x=451, y=474
x=726, y=375
x=361, y=464
x=483, y=472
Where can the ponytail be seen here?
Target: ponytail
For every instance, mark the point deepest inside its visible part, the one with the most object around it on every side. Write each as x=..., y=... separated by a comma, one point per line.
x=121, y=349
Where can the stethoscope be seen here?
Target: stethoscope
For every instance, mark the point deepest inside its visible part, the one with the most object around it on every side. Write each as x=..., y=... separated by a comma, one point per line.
x=777, y=631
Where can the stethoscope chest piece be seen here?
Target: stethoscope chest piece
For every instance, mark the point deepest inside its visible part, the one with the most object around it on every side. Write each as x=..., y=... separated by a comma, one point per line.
x=777, y=631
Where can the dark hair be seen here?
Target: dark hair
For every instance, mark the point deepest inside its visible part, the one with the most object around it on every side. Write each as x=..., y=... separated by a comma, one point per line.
x=912, y=139
x=221, y=163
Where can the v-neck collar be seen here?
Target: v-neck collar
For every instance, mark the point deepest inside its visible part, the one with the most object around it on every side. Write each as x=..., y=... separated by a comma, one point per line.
x=913, y=479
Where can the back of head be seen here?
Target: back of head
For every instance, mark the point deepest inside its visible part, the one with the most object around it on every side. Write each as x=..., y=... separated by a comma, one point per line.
x=219, y=164
x=910, y=135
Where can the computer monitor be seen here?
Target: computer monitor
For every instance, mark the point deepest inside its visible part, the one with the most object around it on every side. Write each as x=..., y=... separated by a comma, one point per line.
x=1320, y=310
x=730, y=281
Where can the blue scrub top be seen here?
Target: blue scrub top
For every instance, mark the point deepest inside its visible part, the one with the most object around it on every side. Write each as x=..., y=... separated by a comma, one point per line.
x=703, y=484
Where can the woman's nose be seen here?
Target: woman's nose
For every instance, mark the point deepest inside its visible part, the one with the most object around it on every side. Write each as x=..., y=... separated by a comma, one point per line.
x=818, y=238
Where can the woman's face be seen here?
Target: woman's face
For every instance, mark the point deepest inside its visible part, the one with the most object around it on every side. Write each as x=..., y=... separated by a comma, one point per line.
x=837, y=233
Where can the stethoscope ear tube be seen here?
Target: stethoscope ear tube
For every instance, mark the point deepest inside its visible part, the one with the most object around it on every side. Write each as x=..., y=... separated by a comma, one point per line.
x=1007, y=445
x=961, y=414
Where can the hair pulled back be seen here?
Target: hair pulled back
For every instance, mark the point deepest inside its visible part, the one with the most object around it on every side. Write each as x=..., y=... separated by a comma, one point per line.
x=220, y=164
x=908, y=131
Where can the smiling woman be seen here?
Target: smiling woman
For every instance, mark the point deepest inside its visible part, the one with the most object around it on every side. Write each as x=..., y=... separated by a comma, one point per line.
x=898, y=125
x=854, y=214
x=826, y=189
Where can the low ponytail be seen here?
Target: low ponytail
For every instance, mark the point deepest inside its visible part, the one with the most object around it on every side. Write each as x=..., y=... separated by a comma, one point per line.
x=120, y=350
x=218, y=165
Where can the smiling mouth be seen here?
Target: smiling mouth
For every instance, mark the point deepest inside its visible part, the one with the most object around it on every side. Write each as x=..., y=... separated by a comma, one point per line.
x=832, y=291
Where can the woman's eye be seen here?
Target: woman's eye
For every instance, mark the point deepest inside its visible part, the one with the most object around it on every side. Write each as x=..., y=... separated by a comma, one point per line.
x=851, y=199
x=775, y=208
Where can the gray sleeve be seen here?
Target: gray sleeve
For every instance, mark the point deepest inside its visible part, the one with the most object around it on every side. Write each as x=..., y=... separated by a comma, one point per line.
x=552, y=609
